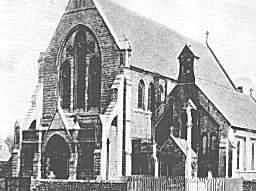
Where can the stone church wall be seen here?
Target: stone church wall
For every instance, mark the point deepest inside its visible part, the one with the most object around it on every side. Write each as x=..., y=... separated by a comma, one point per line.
x=141, y=118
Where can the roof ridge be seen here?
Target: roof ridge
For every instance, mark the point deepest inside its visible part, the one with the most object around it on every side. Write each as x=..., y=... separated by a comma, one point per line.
x=224, y=88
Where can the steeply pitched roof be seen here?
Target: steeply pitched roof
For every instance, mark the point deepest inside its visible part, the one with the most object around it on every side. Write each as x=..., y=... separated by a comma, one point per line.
x=238, y=108
x=156, y=47
x=183, y=145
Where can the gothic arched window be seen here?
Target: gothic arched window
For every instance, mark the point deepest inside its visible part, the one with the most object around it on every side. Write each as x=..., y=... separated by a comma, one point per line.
x=204, y=144
x=151, y=97
x=141, y=95
x=161, y=92
x=213, y=142
x=83, y=3
x=253, y=156
x=238, y=155
x=80, y=71
x=77, y=4
x=17, y=134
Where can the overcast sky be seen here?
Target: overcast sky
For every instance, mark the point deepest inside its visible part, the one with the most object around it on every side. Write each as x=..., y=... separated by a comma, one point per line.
x=28, y=25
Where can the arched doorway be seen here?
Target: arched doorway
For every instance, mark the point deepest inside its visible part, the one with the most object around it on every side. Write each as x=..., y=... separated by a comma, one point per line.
x=57, y=156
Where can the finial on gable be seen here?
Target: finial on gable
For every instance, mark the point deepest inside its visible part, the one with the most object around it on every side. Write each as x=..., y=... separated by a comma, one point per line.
x=187, y=53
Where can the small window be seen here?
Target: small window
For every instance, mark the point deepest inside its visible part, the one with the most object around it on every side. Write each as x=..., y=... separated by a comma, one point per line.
x=204, y=144
x=78, y=4
x=213, y=142
x=17, y=135
x=122, y=59
x=141, y=95
x=75, y=4
x=238, y=155
x=161, y=92
x=253, y=155
x=84, y=3
x=151, y=97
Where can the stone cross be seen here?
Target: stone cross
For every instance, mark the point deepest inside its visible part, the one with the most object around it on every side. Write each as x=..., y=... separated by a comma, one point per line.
x=190, y=106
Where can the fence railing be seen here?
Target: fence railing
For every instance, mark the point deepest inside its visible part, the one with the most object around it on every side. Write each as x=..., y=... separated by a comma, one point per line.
x=133, y=183
x=204, y=184
x=155, y=184
x=141, y=183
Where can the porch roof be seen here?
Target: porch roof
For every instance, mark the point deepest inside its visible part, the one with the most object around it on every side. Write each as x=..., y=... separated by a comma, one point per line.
x=180, y=143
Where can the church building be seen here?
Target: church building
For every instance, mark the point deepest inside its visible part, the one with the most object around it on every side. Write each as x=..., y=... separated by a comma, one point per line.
x=119, y=95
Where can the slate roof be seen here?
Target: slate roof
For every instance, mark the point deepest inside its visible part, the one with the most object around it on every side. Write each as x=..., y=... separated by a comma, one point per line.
x=238, y=108
x=156, y=47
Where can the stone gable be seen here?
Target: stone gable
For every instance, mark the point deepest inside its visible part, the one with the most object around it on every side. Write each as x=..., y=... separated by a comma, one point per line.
x=89, y=17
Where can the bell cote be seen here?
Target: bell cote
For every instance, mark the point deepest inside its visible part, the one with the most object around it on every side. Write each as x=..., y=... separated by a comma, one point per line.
x=186, y=62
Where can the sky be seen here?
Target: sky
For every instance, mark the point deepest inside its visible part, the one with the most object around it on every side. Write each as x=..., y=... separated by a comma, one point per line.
x=28, y=25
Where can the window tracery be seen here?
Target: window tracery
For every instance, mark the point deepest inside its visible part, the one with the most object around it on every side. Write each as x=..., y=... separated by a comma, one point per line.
x=80, y=72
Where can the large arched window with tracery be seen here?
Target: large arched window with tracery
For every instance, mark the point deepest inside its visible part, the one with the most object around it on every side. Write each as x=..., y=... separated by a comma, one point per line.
x=80, y=71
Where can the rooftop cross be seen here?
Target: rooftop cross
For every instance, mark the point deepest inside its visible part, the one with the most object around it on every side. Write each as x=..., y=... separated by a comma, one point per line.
x=207, y=36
